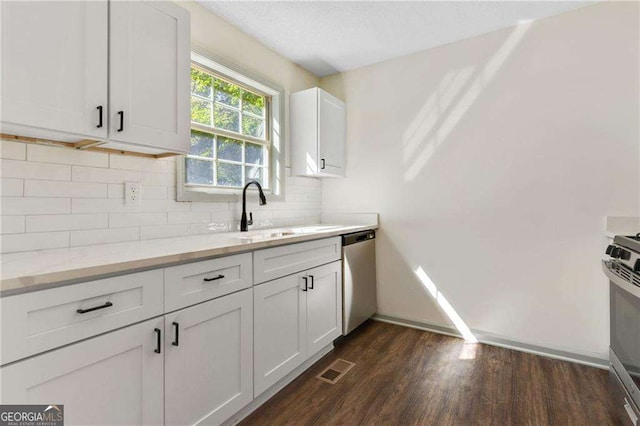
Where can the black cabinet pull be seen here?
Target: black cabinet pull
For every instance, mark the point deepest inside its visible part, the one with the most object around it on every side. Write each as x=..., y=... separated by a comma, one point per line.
x=99, y=108
x=176, y=326
x=305, y=284
x=158, y=348
x=219, y=277
x=311, y=286
x=95, y=308
x=121, y=114
x=322, y=167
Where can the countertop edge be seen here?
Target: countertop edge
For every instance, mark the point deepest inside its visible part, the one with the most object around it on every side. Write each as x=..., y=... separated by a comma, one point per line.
x=31, y=283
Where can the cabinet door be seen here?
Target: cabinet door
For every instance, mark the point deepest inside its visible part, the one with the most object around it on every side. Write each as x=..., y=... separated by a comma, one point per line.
x=209, y=360
x=331, y=134
x=149, y=74
x=54, y=65
x=280, y=331
x=116, y=378
x=324, y=306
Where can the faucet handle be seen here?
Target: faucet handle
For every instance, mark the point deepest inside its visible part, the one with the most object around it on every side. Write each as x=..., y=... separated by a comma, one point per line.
x=250, y=221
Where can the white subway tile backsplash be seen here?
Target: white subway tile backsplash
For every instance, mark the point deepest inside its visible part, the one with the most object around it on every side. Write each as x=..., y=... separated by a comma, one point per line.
x=11, y=187
x=61, y=155
x=154, y=192
x=98, y=175
x=11, y=224
x=188, y=217
x=24, y=205
x=13, y=150
x=116, y=190
x=123, y=220
x=66, y=222
x=36, y=241
x=209, y=207
x=164, y=231
x=226, y=216
x=43, y=188
x=163, y=206
x=127, y=162
x=31, y=170
x=101, y=205
x=210, y=228
x=58, y=197
x=159, y=179
x=103, y=236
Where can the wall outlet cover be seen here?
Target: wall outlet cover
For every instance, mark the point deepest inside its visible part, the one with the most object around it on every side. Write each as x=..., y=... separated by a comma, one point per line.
x=132, y=193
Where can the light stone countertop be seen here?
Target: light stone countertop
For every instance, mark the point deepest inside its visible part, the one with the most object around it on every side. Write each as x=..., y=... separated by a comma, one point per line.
x=41, y=269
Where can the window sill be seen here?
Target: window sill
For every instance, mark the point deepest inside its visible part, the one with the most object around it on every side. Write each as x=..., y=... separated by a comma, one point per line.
x=187, y=193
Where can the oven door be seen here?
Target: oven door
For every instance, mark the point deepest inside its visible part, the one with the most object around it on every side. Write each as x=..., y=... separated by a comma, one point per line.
x=624, y=300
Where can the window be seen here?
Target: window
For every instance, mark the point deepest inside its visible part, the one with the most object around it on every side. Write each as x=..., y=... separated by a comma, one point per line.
x=230, y=142
x=236, y=134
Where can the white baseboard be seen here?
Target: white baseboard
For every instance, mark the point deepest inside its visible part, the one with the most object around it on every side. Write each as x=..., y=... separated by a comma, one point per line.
x=266, y=395
x=495, y=340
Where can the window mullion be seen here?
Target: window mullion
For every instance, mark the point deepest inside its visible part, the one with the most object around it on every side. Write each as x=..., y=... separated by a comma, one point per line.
x=244, y=165
x=215, y=160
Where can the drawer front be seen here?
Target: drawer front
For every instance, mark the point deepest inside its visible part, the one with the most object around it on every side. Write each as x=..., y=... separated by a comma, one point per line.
x=278, y=262
x=43, y=320
x=191, y=283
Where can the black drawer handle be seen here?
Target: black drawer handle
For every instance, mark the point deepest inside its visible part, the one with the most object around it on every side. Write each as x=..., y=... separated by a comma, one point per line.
x=305, y=284
x=322, y=167
x=311, y=286
x=176, y=326
x=121, y=114
x=99, y=116
x=219, y=277
x=158, y=348
x=95, y=308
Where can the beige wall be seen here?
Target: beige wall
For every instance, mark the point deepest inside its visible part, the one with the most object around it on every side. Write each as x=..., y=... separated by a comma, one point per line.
x=493, y=162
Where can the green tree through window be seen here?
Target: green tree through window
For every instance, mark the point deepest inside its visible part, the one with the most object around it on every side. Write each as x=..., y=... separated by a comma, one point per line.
x=229, y=133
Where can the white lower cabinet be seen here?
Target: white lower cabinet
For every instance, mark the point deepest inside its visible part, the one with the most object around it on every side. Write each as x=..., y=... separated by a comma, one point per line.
x=201, y=364
x=209, y=360
x=324, y=306
x=114, y=379
x=280, y=330
x=295, y=317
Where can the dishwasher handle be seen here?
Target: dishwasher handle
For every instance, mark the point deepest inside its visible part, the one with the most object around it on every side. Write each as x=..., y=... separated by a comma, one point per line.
x=358, y=237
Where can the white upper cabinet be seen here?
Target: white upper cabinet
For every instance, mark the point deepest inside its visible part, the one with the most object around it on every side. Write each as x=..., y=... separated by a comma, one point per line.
x=149, y=74
x=114, y=72
x=318, y=132
x=54, y=66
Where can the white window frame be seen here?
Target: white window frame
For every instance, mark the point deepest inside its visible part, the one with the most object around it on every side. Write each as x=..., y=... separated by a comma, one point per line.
x=275, y=127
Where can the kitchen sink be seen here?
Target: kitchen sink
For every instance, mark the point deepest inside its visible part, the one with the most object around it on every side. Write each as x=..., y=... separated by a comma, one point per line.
x=266, y=234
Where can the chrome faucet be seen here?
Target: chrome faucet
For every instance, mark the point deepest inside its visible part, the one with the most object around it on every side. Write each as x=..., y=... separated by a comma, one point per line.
x=244, y=223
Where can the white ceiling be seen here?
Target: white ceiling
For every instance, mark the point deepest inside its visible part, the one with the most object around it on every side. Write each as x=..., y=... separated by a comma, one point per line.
x=328, y=37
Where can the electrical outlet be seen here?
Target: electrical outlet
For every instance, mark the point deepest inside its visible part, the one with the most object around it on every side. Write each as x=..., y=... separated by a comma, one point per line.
x=132, y=193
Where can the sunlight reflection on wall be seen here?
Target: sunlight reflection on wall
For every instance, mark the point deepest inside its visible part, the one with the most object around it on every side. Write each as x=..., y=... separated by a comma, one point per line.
x=437, y=118
x=445, y=305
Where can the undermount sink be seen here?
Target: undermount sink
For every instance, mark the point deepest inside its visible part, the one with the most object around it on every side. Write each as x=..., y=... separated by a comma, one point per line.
x=271, y=233
x=266, y=235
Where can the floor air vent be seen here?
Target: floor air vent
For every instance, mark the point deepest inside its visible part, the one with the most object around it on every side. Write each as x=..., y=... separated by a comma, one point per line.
x=335, y=371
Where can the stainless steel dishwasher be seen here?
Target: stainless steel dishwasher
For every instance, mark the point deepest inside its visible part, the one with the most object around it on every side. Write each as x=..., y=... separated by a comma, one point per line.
x=358, y=279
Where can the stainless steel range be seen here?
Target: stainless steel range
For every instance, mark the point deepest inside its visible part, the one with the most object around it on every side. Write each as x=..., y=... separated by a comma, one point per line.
x=622, y=266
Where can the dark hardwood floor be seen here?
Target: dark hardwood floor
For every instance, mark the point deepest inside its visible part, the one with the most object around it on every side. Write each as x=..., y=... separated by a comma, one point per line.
x=405, y=376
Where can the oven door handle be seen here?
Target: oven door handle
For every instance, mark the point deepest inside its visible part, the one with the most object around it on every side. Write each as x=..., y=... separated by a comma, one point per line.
x=620, y=282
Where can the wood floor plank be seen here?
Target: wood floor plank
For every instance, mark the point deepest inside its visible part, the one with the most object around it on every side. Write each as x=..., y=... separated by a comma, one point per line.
x=405, y=376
